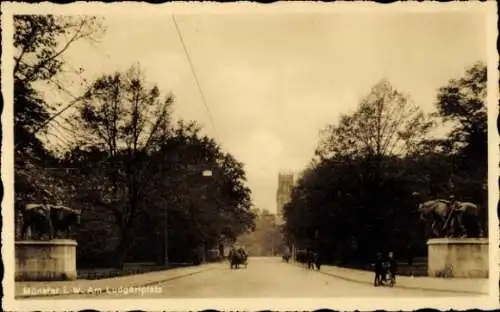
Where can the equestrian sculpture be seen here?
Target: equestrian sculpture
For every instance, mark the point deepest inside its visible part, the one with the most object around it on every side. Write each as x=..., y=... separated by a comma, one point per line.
x=47, y=221
x=450, y=218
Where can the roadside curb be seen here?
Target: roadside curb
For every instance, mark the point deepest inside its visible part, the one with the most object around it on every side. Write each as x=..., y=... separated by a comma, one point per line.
x=339, y=276
x=174, y=278
x=144, y=284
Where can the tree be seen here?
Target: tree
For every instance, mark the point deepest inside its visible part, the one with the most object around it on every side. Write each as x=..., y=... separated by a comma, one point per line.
x=98, y=233
x=463, y=103
x=218, y=208
x=386, y=123
x=127, y=119
x=323, y=211
x=129, y=146
x=357, y=193
x=359, y=186
x=40, y=42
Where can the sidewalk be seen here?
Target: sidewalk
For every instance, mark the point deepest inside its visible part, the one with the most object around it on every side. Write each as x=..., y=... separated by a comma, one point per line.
x=25, y=290
x=478, y=286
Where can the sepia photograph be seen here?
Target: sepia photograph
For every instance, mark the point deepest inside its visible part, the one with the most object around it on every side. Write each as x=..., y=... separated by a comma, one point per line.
x=282, y=156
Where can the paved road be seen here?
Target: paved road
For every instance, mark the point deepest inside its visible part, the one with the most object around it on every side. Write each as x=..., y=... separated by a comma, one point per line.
x=264, y=277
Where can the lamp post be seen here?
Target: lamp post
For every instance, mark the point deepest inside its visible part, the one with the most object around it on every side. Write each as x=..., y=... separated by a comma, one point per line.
x=165, y=254
x=207, y=174
x=272, y=239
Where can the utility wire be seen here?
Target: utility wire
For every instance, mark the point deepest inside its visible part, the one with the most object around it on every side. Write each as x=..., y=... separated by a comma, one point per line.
x=57, y=114
x=195, y=76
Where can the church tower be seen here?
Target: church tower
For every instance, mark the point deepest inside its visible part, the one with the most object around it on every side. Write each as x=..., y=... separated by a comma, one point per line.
x=284, y=193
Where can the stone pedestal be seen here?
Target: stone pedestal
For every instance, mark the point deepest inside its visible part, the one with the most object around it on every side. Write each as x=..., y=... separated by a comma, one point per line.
x=53, y=260
x=458, y=257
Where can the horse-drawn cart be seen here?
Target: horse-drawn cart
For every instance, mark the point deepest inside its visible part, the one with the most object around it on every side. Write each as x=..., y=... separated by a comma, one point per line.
x=237, y=258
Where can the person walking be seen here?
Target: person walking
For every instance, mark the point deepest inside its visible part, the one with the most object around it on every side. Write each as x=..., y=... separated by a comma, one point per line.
x=393, y=267
x=409, y=258
x=317, y=259
x=310, y=259
x=379, y=270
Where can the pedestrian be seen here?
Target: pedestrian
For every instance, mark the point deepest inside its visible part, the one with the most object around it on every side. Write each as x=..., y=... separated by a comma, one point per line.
x=393, y=266
x=409, y=259
x=379, y=270
x=310, y=259
x=410, y=256
x=317, y=257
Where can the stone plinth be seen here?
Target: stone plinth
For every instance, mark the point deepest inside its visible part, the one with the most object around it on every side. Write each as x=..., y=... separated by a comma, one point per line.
x=458, y=257
x=53, y=260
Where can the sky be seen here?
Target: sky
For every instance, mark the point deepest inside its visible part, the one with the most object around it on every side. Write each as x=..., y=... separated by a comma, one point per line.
x=273, y=81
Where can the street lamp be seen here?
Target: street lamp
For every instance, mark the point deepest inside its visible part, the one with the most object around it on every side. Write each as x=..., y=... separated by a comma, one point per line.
x=207, y=173
x=165, y=254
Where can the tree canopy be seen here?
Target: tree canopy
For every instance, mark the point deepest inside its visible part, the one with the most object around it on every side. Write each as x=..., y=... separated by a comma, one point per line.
x=355, y=198
x=386, y=123
x=40, y=43
x=133, y=172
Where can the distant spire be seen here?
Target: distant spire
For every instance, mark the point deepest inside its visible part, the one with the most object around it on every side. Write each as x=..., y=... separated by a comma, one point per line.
x=284, y=191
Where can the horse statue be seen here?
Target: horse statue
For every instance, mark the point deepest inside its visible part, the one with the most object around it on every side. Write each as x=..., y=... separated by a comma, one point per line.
x=237, y=257
x=45, y=220
x=449, y=222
